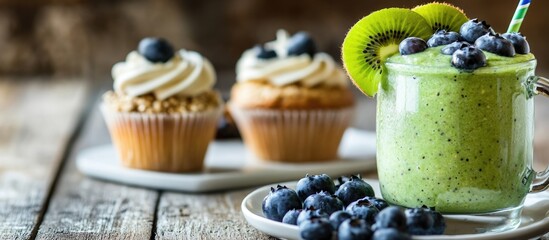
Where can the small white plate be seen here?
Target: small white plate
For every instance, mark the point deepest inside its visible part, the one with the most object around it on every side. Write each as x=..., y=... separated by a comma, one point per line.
x=535, y=218
x=229, y=165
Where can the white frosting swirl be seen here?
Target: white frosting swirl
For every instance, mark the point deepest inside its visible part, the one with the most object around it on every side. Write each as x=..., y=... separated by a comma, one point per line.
x=187, y=74
x=283, y=69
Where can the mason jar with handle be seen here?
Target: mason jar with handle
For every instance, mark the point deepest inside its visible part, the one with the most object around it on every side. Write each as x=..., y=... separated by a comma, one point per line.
x=460, y=141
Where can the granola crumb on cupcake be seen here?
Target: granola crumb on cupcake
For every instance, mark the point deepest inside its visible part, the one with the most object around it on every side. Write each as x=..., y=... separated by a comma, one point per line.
x=208, y=100
x=163, y=111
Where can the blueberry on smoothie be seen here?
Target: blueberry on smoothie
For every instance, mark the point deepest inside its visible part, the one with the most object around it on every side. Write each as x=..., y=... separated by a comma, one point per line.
x=468, y=58
x=442, y=37
x=301, y=43
x=324, y=201
x=453, y=47
x=412, y=45
x=316, y=229
x=155, y=49
x=519, y=42
x=473, y=29
x=312, y=184
x=495, y=43
x=354, y=229
x=279, y=201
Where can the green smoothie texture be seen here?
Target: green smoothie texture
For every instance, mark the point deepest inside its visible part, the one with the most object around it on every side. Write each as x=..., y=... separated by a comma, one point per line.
x=459, y=141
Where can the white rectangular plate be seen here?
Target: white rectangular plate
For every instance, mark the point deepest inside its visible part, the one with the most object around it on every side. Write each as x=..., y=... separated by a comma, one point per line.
x=229, y=165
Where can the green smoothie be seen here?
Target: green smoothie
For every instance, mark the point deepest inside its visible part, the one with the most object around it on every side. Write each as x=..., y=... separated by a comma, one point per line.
x=455, y=140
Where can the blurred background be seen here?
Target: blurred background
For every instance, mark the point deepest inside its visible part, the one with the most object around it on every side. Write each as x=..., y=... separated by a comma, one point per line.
x=85, y=37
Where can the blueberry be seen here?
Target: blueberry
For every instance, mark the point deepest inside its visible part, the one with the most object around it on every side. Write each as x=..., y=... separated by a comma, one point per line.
x=380, y=204
x=363, y=209
x=439, y=225
x=495, y=43
x=519, y=42
x=354, y=189
x=309, y=213
x=390, y=234
x=338, y=217
x=354, y=229
x=279, y=201
x=452, y=47
x=473, y=29
x=310, y=185
x=316, y=229
x=391, y=217
x=343, y=179
x=301, y=43
x=291, y=216
x=324, y=201
x=468, y=58
x=419, y=221
x=226, y=129
x=264, y=53
x=442, y=37
x=155, y=49
x=412, y=45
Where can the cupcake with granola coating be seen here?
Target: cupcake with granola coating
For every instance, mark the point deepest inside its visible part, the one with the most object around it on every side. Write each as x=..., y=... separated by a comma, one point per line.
x=163, y=111
x=291, y=103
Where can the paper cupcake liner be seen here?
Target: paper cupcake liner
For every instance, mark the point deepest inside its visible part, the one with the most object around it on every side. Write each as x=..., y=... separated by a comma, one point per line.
x=162, y=142
x=293, y=135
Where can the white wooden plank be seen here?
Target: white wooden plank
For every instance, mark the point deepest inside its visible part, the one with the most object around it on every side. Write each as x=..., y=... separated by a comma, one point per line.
x=37, y=118
x=85, y=208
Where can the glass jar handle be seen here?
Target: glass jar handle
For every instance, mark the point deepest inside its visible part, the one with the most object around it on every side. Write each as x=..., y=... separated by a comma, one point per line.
x=541, y=180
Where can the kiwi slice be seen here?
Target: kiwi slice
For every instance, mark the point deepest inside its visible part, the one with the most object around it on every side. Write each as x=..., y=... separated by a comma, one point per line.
x=376, y=37
x=442, y=16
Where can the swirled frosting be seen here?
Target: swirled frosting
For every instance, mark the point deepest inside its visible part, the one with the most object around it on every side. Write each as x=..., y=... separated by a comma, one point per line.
x=284, y=69
x=187, y=74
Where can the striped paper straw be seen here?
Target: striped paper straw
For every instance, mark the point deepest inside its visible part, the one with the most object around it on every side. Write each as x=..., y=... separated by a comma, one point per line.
x=522, y=8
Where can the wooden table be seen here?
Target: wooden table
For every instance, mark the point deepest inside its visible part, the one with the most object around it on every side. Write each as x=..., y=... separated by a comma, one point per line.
x=44, y=122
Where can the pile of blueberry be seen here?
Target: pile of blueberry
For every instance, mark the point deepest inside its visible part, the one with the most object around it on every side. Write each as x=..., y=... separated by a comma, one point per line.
x=347, y=211
x=298, y=44
x=466, y=46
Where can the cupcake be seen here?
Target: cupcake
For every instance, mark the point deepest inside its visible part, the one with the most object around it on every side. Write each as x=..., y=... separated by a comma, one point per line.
x=291, y=103
x=163, y=111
